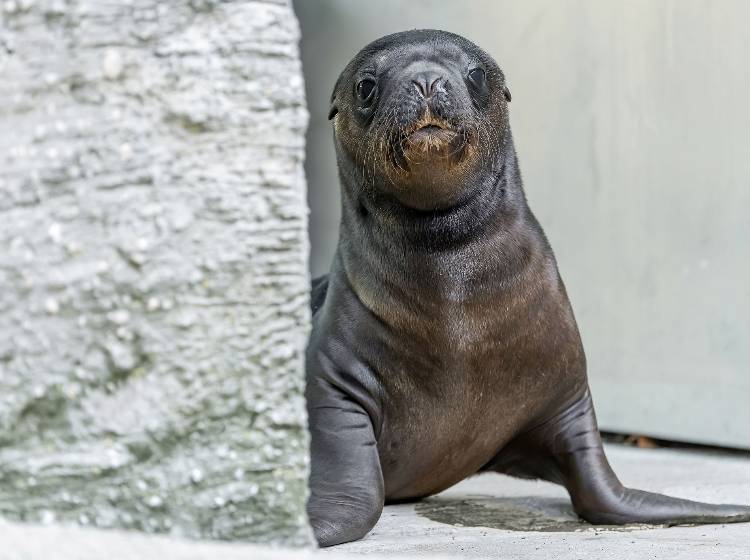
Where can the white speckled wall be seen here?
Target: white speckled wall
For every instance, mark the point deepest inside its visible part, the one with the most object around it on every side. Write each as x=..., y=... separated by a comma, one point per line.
x=631, y=120
x=153, y=267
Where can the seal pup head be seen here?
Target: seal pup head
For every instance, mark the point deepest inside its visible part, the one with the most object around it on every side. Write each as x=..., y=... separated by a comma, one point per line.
x=420, y=116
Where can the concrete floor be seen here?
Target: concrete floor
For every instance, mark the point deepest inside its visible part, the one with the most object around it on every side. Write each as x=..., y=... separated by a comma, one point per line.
x=490, y=516
x=493, y=516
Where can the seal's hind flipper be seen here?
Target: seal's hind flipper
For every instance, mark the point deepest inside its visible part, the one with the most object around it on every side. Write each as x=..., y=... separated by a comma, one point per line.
x=567, y=449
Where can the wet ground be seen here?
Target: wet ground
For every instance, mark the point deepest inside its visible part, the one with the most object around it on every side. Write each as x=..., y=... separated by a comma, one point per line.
x=527, y=513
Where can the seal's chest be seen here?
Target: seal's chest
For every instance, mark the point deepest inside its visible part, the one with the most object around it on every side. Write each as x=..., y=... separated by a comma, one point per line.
x=428, y=449
x=443, y=424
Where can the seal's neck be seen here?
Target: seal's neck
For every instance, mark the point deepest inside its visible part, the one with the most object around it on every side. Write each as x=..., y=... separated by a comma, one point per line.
x=483, y=237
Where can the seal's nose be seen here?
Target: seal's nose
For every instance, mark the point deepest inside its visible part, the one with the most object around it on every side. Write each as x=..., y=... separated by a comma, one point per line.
x=426, y=82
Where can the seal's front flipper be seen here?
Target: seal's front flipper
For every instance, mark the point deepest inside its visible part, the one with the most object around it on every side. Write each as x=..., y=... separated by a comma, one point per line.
x=346, y=482
x=567, y=449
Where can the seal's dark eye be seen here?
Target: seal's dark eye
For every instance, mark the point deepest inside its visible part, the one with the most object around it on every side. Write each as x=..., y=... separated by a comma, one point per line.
x=477, y=75
x=365, y=89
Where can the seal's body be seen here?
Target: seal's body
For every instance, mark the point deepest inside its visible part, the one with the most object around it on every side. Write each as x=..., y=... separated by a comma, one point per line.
x=443, y=340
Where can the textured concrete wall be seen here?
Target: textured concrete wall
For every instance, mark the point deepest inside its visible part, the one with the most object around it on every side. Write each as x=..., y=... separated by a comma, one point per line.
x=153, y=270
x=632, y=138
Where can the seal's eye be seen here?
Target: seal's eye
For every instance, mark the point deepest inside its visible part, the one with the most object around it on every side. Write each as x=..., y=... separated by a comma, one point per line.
x=365, y=89
x=477, y=76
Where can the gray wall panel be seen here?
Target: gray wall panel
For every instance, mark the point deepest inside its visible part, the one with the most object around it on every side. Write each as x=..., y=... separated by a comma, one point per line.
x=631, y=122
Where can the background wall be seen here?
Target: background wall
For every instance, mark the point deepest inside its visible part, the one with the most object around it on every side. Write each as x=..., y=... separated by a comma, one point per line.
x=631, y=123
x=153, y=267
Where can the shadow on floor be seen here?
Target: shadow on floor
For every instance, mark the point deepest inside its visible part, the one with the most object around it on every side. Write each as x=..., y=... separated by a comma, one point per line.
x=528, y=513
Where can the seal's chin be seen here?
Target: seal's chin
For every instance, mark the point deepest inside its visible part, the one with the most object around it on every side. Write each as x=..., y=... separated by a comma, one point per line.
x=429, y=160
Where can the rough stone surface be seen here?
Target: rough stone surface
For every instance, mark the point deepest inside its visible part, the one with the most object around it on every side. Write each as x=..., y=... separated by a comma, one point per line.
x=153, y=271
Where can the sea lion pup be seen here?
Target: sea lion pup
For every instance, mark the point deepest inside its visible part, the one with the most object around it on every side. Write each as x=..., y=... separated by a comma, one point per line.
x=443, y=341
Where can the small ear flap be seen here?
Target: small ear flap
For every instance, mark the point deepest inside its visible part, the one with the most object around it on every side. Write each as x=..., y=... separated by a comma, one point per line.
x=506, y=93
x=333, y=111
x=334, y=108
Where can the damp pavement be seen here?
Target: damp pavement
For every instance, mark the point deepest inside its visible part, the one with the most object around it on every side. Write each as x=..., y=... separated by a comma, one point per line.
x=489, y=516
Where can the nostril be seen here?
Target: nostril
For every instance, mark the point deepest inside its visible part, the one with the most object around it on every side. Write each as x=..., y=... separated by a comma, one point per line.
x=433, y=86
x=419, y=86
x=426, y=84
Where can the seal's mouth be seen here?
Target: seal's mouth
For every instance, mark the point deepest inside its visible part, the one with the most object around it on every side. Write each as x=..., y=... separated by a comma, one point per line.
x=430, y=136
x=429, y=133
x=430, y=139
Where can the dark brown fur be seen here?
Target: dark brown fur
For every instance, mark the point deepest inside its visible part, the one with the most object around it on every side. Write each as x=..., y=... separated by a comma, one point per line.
x=443, y=341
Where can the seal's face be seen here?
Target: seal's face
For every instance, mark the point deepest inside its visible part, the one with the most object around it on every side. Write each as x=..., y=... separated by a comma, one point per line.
x=419, y=115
